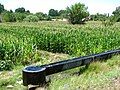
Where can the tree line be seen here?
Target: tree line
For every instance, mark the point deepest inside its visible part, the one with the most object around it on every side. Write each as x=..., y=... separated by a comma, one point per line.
x=21, y=14
x=76, y=14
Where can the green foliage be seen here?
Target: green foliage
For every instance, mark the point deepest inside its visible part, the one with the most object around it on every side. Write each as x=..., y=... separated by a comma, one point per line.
x=41, y=15
x=98, y=76
x=1, y=8
x=11, y=11
x=76, y=13
x=115, y=61
x=5, y=61
x=20, y=16
x=63, y=14
x=116, y=13
x=107, y=23
x=6, y=64
x=99, y=17
x=20, y=10
x=20, y=42
x=31, y=18
x=13, y=78
x=28, y=11
x=110, y=21
x=48, y=18
x=8, y=17
x=53, y=12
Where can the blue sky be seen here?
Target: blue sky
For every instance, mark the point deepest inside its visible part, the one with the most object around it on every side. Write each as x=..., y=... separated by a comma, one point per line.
x=94, y=6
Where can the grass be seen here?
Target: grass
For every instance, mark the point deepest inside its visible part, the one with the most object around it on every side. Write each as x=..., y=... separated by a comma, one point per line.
x=23, y=44
x=20, y=42
x=99, y=75
x=14, y=77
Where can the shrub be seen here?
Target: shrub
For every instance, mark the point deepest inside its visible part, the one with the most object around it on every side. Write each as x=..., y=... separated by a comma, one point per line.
x=20, y=16
x=41, y=15
x=8, y=17
x=76, y=13
x=107, y=23
x=48, y=18
x=31, y=18
x=110, y=21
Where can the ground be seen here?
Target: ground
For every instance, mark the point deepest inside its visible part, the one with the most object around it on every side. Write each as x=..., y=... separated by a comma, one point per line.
x=99, y=75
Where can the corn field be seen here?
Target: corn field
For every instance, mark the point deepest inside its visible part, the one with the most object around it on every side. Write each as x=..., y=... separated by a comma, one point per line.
x=20, y=42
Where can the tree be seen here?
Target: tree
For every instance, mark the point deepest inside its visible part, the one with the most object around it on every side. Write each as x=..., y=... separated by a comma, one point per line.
x=1, y=8
x=11, y=11
x=116, y=13
x=99, y=17
x=27, y=11
x=48, y=18
x=40, y=15
x=63, y=13
x=76, y=13
x=53, y=12
x=20, y=10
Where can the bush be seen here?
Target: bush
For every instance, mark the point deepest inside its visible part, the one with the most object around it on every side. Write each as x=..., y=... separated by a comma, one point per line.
x=20, y=16
x=99, y=17
x=117, y=18
x=116, y=13
x=31, y=18
x=107, y=23
x=8, y=17
x=40, y=15
x=110, y=21
x=76, y=13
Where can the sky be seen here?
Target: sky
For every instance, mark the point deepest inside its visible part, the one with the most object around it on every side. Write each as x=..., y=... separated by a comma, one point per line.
x=94, y=6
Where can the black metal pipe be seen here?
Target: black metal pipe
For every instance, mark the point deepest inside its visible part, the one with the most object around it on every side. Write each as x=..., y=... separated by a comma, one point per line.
x=36, y=75
x=80, y=61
